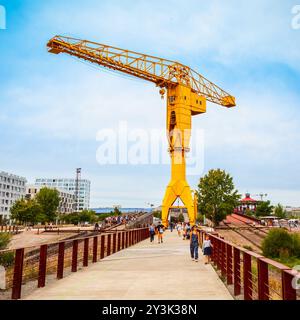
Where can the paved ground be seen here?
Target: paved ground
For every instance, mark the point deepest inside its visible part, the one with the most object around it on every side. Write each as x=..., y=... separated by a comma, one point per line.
x=144, y=271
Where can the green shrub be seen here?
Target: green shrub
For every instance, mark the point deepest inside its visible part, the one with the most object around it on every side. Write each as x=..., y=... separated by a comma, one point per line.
x=280, y=244
x=7, y=259
x=296, y=244
x=4, y=240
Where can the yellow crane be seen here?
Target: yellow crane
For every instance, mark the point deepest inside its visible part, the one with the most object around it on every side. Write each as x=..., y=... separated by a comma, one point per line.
x=187, y=93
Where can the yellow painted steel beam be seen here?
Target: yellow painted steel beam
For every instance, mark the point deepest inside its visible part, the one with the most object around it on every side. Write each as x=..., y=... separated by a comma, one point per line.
x=187, y=93
x=163, y=72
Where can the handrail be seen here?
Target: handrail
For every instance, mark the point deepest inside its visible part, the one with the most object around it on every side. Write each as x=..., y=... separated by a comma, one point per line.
x=231, y=259
x=69, y=254
x=63, y=240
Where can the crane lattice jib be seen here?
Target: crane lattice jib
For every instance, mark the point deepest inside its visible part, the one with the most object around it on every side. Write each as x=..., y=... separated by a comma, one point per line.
x=163, y=72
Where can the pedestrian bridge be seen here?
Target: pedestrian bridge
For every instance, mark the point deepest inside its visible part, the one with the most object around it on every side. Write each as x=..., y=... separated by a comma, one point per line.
x=124, y=264
x=143, y=271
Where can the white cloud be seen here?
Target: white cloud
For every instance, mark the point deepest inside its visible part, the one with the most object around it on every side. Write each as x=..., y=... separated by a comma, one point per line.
x=229, y=32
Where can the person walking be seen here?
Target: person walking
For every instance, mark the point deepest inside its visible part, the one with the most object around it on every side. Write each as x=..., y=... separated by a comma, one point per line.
x=183, y=231
x=152, y=232
x=207, y=248
x=194, y=244
x=171, y=226
x=160, y=232
x=179, y=229
x=188, y=231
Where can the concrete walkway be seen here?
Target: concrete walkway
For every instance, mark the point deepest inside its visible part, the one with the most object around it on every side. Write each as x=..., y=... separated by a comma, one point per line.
x=144, y=271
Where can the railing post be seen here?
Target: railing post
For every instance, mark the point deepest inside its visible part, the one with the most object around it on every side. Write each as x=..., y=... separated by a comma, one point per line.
x=247, y=276
x=18, y=274
x=42, y=266
x=108, y=244
x=74, y=255
x=127, y=239
x=218, y=253
x=114, y=243
x=223, y=258
x=288, y=292
x=123, y=239
x=95, y=249
x=236, y=271
x=86, y=252
x=263, y=280
x=102, y=246
x=213, y=254
x=229, y=263
x=60, y=260
x=119, y=242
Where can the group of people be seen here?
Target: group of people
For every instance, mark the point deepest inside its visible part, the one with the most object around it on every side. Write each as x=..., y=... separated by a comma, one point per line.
x=187, y=232
x=159, y=230
x=183, y=230
x=120, y=219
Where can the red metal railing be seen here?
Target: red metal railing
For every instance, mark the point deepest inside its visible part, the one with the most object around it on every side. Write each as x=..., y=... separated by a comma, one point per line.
x=65, y=256
x=251, y=274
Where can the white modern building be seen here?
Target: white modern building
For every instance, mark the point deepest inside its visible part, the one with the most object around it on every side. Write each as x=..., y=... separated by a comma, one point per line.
x=70, y=185
x=12, y=188
x=67, y=198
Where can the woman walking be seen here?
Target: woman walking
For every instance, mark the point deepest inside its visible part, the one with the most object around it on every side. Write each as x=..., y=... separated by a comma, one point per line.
x=194, y=243
x=179, y=229
x=207, y=249
x=152, y=232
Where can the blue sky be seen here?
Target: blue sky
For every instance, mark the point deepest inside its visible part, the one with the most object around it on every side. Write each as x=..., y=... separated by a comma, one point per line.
x=51, y=107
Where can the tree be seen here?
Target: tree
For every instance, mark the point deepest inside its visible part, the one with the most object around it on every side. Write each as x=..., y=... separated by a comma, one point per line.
x=264, y=208
x=181, y=217
x=280, y=212
x=87, y=216
x=26, y=211
x=217, y=196
x=48, y=199
x=200, y=218
x=116, y=212
x=157, y=214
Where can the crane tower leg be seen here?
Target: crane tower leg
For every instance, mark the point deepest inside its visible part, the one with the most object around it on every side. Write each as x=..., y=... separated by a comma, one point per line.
x=179, y=117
